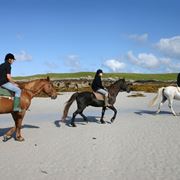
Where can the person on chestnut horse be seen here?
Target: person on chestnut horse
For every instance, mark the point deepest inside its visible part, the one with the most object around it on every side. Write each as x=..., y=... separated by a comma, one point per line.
x=18, y=103
x=7, y=82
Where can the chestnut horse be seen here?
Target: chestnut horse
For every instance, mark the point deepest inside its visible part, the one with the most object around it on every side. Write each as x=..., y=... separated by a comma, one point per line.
x=29, y=90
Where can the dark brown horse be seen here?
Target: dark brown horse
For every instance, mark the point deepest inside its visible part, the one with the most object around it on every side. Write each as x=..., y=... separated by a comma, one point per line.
x=85, y=99
x=29, y=90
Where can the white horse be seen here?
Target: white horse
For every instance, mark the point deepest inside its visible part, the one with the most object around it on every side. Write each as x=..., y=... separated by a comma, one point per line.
x=166, y=93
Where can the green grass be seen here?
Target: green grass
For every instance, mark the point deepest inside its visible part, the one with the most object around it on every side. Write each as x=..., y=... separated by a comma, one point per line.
x=128, y=76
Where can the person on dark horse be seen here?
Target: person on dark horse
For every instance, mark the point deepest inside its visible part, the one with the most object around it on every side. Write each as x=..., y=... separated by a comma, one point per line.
x=86, y=98
x=98, y=87
x=7, y=82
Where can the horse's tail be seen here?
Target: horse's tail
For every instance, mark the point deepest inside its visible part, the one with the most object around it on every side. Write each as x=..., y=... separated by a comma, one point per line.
x=68, y=104
x=155, y=99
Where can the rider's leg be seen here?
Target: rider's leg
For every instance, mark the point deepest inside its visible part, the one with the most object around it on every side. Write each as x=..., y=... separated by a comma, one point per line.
x=10, y=86
x=105, y=93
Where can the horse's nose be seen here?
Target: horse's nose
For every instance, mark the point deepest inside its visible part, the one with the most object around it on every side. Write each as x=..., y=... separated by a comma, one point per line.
x=128, y=90
x=54, y=97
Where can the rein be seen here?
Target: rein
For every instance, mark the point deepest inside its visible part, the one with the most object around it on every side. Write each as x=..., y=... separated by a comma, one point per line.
x=33, y=92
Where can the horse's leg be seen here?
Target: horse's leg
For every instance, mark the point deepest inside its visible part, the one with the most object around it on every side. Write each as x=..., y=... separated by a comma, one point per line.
x=8, y=134
x=18, y=117
x=83, y=116
x=102, y=115
x=115, y=113
x=73, y=117
x=78, y=111
x=160, y=104
x=170, y=106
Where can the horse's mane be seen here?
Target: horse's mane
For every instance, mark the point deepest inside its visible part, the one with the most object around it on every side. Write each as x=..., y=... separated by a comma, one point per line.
x=22, y=84
x=112, y=86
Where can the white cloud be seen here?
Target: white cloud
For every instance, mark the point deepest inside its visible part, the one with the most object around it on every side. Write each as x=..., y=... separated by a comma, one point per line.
x=72, y=61
x=151, y=63
x=139, y=38
x=23, y=56
x=144, y=60
x=172, y=67
x=170, y=47
x=114, y=65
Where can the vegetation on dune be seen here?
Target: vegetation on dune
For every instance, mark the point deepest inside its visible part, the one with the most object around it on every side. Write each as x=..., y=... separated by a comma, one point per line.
x=128, y=76
x=142, y=82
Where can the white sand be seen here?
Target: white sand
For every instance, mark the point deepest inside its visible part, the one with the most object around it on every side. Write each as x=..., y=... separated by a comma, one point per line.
x=137, y=146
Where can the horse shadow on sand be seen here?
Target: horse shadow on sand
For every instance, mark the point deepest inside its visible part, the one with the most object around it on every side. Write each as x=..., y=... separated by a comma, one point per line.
x=78, y=121
x=142, y=112
x=28, y=126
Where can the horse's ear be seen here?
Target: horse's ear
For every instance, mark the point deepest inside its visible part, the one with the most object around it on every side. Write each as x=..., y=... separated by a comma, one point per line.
x=48, y=79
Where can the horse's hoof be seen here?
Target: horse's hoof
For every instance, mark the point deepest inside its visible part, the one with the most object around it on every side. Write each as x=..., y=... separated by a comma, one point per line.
x=103, y=122
x=73, y=125
x=6, y=138
x=112, y=120
x=20, y=139
x=86, y=120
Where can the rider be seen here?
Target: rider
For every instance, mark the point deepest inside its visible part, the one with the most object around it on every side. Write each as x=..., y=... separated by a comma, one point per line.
x=7, y=82
x=98, y=87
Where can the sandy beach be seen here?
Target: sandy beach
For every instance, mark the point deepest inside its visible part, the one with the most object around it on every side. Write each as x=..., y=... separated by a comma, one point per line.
x=139, y=145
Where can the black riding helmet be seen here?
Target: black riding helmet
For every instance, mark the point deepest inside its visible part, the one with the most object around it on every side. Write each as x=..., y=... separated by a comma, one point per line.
x=99, y=71
x=9, y=56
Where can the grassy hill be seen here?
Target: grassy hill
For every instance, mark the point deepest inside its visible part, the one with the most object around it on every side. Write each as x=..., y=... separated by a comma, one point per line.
x=128, y=76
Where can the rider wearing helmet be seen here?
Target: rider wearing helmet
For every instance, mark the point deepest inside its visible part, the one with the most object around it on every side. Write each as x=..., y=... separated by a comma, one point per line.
x=7, y=82
x=98, y=87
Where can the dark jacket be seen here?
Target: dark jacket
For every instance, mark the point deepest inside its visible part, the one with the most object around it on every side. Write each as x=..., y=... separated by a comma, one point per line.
x=97, y=83
x=178, y=80
x=5, y=68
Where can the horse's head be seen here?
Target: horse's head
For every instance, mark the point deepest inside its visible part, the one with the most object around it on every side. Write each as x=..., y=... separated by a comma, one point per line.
x=123, y=85
x=49, y=89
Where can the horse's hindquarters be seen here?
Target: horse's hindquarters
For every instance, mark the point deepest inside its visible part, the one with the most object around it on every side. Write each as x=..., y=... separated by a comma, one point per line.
x=171, y=92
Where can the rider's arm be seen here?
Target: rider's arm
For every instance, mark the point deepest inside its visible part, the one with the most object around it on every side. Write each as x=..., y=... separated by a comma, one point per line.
x=10, y=79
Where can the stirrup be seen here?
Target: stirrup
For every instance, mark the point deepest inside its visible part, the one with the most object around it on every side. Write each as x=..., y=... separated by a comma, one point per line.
x=17, y=110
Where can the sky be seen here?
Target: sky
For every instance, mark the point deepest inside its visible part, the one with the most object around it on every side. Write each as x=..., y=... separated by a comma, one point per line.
x=62, y=36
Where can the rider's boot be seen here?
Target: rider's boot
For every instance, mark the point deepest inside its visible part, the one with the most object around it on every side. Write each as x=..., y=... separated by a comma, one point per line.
x=16, y=105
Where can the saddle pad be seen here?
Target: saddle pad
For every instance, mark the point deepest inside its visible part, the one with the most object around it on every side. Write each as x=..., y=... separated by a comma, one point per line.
x=98, y=96
x=4, y=92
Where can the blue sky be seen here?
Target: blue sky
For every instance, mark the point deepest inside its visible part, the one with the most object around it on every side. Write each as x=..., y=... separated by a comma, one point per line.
x=140, y=36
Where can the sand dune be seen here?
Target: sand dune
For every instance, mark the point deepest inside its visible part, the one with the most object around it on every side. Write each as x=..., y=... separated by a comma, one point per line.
x=139, y=145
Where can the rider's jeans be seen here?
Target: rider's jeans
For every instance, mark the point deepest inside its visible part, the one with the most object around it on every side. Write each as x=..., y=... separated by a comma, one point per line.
x=10, y=86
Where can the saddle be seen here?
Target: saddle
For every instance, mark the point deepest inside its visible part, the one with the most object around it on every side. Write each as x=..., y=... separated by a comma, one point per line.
x=6, y=93
x=98, y=96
